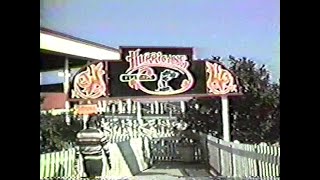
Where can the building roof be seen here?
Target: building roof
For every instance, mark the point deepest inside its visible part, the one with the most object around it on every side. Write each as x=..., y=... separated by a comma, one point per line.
x=57, y=42
x=67, y=36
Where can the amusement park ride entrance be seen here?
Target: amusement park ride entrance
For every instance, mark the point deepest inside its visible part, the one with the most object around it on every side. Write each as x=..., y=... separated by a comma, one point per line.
x=145, y=94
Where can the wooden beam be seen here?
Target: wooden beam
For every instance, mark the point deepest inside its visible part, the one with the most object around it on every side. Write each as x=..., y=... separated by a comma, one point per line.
x=141, y=98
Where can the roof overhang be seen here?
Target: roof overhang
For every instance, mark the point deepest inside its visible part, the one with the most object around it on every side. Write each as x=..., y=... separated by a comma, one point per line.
x=65, y=44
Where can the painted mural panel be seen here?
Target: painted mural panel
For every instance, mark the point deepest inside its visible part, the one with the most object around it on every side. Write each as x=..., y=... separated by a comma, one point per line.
x=220, y=80
x=91, y=82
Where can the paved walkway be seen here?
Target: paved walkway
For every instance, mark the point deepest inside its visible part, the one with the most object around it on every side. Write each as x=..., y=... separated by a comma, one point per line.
x=174, y=170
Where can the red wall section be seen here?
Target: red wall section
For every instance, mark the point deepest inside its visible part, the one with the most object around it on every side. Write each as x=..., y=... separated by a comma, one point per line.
x=53, y=101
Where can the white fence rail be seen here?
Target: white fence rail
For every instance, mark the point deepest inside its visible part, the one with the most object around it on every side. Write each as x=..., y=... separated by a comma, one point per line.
x=58, y=164
x=130, y=157
x=241, y=160
x=127, y=158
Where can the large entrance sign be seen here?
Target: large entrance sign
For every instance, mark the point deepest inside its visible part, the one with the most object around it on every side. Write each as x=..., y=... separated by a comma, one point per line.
x=156, y=72
x=152, y=72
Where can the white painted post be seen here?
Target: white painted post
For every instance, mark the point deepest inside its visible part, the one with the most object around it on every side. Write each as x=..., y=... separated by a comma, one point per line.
x=85, y=120
x=104, y=106
x=152, y=108
x=100, y=108
x=134, y=107
x=120, y=108
x=156, y=104
x=139, y=112
x=113, y=108
x=183, y=106
x=129, y=106
x=108, y=110
x=66, y=88
x=225, y=118
x=161, y=108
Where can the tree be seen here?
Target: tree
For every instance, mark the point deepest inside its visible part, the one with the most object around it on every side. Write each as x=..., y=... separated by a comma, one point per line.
x=55, y=134
x=255, y=116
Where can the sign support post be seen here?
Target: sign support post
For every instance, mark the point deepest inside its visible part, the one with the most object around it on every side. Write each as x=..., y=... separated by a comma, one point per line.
x=225, y=118
x=66, y=88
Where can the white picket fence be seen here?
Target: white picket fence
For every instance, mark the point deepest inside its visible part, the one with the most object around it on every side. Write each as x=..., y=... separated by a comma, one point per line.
x=241, y=160
x=127, y=159
x=130, y=157
x=58, y=164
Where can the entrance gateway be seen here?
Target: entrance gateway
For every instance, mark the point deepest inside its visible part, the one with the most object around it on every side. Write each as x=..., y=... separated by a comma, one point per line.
x=153, y=80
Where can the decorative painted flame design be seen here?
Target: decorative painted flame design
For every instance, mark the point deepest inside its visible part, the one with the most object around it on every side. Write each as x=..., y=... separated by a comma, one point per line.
x=90, y=84
x=220, y=81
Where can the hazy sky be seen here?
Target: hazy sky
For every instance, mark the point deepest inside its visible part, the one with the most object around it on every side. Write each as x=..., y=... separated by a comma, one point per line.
x=248, y=28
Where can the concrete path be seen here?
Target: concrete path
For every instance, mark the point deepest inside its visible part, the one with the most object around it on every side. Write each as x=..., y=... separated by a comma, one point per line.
x=174, y=170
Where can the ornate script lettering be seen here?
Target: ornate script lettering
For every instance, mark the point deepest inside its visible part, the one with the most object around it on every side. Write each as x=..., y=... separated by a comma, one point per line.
x=141, y=70
x=136, y=59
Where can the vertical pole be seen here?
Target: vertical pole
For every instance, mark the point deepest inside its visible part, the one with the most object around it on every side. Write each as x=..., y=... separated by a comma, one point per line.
x=120, y=106
x=66, y=88
x=129, y=106
x=100, y=107
x=85, y=120
x=139, y=112
x=225, y=118
x=108, y=110
x=104, y=106
x=134, y=107
x=156, y=104
x=161, y=108
x=151, y=108
x=113, y=108
x=183, y=106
